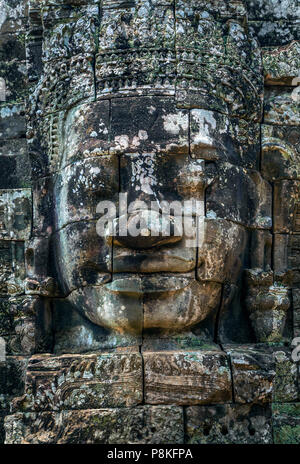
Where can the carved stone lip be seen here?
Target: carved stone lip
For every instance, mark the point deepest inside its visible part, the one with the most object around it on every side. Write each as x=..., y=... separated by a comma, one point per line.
x=140, y=285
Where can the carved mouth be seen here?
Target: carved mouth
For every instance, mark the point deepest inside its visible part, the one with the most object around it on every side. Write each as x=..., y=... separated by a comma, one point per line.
x=140, y=285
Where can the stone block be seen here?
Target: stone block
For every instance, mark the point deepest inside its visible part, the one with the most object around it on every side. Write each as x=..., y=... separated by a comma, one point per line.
x=272, y=9
x=81, y=186
x=141, y=425
x=69, y=30
x=88, y=132
x=12, y=122
x=287, y=257
x=229, y=424
x=275, y=34
x=12, y=267
x=187, y=377
x=90, y=260
x=14, y=16
x=15, y=214
x=14, y=75
x=25, y=325
x=280, y=152
x=261, y=249
x=221, y=251
x=282, y=108
x=253, y=372
x=154, y=125
x=281, y=65
x=17, y=172
x=12, y=378
x=214, y=136
x=89, y=381
x=296, y=311
x=286, y=206
x=286, y=423
x=286, y=378
x=248, y=197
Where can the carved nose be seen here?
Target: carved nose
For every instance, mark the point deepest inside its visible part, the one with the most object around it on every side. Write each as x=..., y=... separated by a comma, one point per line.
x=145, y=229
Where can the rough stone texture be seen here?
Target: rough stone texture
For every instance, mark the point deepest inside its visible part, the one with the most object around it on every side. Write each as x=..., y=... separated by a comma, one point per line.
x=281, y=66
x=184, y=378
x=165, y=101
x=253, y=373
x=286, y=419
x=281, y=108
x=82, y=382
x=141, y=425
x=229, y=424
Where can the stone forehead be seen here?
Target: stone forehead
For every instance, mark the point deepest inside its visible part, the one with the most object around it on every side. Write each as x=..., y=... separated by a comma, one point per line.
x=148, y=124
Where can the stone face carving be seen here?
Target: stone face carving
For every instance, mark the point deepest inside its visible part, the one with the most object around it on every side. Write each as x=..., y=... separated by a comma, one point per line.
x=127, y=106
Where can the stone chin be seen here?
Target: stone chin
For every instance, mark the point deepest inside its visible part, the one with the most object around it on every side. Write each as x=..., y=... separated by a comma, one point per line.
x=134, y=304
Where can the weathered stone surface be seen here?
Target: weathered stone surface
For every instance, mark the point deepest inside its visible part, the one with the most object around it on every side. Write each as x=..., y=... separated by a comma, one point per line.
x=281, y=66
x=253, y=372
x=286, y=206
x=296, y=307
x=187, y=303
x=64, y=84
x=272, y=9
x=14, y=74
x=187, y=377
x=286, y=256
x=82, y=382
x=69, y=31
x=12, y=380
x=88, y=132
x=229, y=424
x=280, y=152
x=19, y=325
x=221, y=253
x=200, y=79
x=15, y=214
x=12, y=122
x=85, y=266
x=214, y=136
x=80, y=186
x=286, y=379
x=141, y=425
x=155, y=125
x=281, y=107
x=12, y=267
x=168, y=258
x=248, y=197
x=275, y=34
x=14, y=15
x=261, y=249
x=74, y=333
x=267, y=303
x=286, y=420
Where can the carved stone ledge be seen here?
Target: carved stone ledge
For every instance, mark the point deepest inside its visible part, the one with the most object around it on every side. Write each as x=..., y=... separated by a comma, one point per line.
x=187, y=377
x=143, y=424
